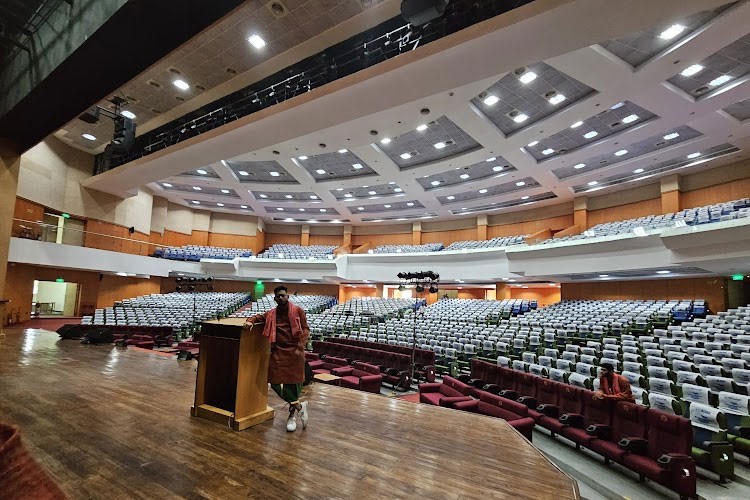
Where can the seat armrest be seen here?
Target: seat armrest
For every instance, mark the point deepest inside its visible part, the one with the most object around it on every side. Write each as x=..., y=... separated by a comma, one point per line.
x=430, y=387
x=464, y=377
x=476, y=382
x=343, y=371
x=673, y=460
x=634, y=445
x=572, y=419
x=600, y=431
x=528, y=401
x=548, y=410
x=493, y=389
x=509, y=394
x=467, y=405
x=391, y=371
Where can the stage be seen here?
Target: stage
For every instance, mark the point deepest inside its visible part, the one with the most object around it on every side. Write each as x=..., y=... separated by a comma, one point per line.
x=112, y=422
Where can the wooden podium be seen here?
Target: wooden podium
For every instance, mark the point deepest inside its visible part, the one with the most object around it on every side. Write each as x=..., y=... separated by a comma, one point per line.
x=231, y=387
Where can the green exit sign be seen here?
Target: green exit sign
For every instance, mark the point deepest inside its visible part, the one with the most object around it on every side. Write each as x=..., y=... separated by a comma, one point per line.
x=737, y=277
x=59, y=280
x=66, y=216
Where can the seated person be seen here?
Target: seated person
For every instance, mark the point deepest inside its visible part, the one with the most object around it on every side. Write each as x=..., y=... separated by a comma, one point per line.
x=612, y=385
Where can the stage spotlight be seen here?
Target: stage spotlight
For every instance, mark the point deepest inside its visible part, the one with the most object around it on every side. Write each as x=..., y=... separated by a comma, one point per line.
x=178, y=289
x=401, y=288
x=419, y=288
x=433, y=289
x=191, y=288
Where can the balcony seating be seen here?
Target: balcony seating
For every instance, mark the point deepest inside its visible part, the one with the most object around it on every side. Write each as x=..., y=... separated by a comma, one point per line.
x=427, y=247
x=498, y=242
x=512, y=412
x=195, y=253
x=444, y=393
x=298, y=252
x=311, y=304
x=361, y=376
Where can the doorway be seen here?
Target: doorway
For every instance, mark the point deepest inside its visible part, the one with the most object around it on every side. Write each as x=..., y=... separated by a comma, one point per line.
x=54, y=299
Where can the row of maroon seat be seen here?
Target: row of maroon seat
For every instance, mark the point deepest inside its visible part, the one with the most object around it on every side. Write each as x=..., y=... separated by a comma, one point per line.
x=393, y=366
x=422, y=357
x=654, y=444
x=360, y=376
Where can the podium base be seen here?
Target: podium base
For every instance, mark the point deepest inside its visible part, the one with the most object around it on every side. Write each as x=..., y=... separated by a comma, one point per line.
x=224, y=417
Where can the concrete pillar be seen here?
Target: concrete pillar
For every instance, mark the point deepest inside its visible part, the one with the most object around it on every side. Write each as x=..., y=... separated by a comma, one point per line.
x=347, y=236
x=502, y=291
x=581, y=212
x=670, y=194
x=305, y=235
x=10, y=164
x=416, y=233
x=482, y=227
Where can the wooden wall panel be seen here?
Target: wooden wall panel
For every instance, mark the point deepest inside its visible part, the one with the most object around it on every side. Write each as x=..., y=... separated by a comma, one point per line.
x=327, y=239
x=116, y=238
x=260, y=242
x=175, y=239
x=529, y=227
x=713, y=290
x=27, y=211
x=114, y=288
x=349, y=292
x=231, y=241
x=290, y=239
x=715, y=194
x=622, y=212
x=448, y=237
x=543, y=296
x=381, y=239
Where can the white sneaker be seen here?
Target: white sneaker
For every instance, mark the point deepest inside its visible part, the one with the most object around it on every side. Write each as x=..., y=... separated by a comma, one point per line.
x=303, y=415
x=291, y=423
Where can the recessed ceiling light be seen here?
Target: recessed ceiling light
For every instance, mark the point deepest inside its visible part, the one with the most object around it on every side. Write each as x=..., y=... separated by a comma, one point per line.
x=219, y=204
x=274, y=174
x=591, y=134
x=663, y=272
x=243, y=206
x=288, y=196
x=323, y=210
x=243, y=172
x=694, y=155
x=302, y=157
x=166, y=184
x=180, y=84
x=128, y=114
x=527, y=77
x=357, y=166
x=532, y=144
x=196, y=188
x=397, y=190
x=638, y=171
x=196, y=202
x=621, y=152
x=491, y=159
x=405, y=156
x=339, y=189
x=288, y=219
x=673, y=135
x=520, y=118
x=360, y=208
x=256, y=41
x=618, y=105
x=548, y=151
x=450, y=197
x=464, y=176
x=263, y=195
x=497, y=168
x=320, y=171
x=604, y=275
x=593, y=183
x=671, y=32
x=387, y=206
x=301, y=209
x=313, y=197
x=556, y=99
x=435, y=183
x=577, y=124
x=491, y=100
x=201, y=171
x=342, y=151
x=385, y=140
x=439, y=145
x=721, y=80
x=348, y=195
x=280, y=209
x=89, y=137
x=225, y=191
x=392, y=182
x=579, y=166
x=371, y=192
x=520, y=183
x=422, y=127
x=482, y=191
x=630, y=119
x=692, y=70
x=524, y=197
x=410, y=204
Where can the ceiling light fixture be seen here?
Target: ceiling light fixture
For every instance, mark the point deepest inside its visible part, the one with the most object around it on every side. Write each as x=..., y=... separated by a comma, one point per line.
x=497, y=168
x=320, y=171
x=721, y=80
x=482, y=191
x=638, y=171
x=274, y=174
x=410, y=204
x=357, y=166
x=621, y=152
x=692, y=70
x=405, y=156
x=342, y=151
x=591, y=134
x=671, y=32
x=579, y=166
x=371, y=192
x=527, y=77
x=263, y=195
x=532, y=144
x=256, y=41
x=201, y=171
x=219, y=204
x=524, y=197
x=450, y=197
x=196, y=202
x=664, y=271
x=548, y=151
x=488, y=160
x=166, y=184
x=181, y=84
x=196, y=188
x=288, y=196
x=301, y=209
x=520, y=183
x=360, y=208
x=556, y=99
x=302, y=157
x=421, y=127
x=348, y=195
x=386, y=206
x=89, y=137
x=128, y=114
x=673, y=135
x=439, y=145
x=323, y=210
x=313, y=197
x=617, y=106
x=385, y=140
x=243, y=206
x=693, y=155
x=577, y=124
x=397, y=190
x=630, y=119
x=243, y=173
x=435, y=183
x=491, y=100
x=604, y=275
x=520, y=118
x=593, y=183
x=225, y=191
x=464, y=176
x=280, y=209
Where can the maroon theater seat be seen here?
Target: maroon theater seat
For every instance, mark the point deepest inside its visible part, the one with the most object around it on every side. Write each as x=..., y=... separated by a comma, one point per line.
x=597, y=421
x=447, y=393
x=666, y=459
x=628, y=427
x=327, y=364
x=360, y=376
x=547, y=399
x=512, y=412
x=570, y=409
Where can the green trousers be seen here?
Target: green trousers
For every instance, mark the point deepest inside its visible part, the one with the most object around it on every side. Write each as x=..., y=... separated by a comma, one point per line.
x=288, y=392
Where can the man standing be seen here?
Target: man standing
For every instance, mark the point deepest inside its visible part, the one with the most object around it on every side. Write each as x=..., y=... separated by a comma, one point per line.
x=612, y=385
x=287, y=331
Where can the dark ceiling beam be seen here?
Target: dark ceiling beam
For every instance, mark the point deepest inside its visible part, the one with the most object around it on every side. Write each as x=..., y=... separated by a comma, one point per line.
x=138, y=35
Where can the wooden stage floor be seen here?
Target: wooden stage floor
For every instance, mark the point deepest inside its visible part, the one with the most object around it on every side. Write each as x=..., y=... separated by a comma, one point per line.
x=113, y=423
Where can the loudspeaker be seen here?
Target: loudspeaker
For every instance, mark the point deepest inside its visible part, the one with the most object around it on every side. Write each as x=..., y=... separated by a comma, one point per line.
x=70, y=332
x=124, y=134
x=131, y=230
x=419, y=12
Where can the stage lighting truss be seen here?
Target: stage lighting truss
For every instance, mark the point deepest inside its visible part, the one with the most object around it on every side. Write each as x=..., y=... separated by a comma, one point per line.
x=421, y=281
